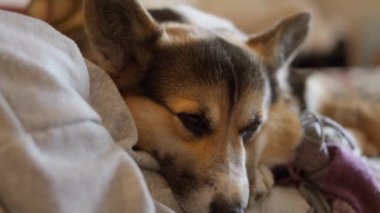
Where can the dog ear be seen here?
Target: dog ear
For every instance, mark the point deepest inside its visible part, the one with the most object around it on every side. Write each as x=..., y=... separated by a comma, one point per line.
x=123, y=36
x=278, y=45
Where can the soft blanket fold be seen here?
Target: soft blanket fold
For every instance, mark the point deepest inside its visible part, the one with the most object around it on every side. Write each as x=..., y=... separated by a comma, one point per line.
x=55, y=154
x=328, y=161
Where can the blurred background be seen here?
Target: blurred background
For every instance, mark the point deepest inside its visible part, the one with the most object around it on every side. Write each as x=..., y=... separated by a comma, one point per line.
x=344, y=33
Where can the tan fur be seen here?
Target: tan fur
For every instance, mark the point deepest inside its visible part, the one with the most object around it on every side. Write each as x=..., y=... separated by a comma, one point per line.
x=176, y=33
x=276, y=142
x=283, y=134
x=360, y=117
x=155, y=123
x=207, y=168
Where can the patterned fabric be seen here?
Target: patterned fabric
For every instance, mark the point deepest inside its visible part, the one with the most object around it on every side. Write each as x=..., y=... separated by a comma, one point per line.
x=328, y=163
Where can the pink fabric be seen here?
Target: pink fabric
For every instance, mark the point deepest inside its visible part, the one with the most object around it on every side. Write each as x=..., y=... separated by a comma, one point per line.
x=348, y=178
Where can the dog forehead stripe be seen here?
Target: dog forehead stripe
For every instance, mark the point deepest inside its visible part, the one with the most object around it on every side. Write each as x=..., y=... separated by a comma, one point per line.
x=220, y=61
x=203, y=64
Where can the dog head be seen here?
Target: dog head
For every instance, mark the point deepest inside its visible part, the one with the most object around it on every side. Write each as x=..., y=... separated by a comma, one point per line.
x=198, y=95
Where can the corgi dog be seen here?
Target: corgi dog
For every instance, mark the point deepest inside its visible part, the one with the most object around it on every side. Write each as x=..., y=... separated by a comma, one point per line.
x=209, y=102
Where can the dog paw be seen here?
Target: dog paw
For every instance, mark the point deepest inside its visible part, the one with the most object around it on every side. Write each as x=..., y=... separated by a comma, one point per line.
x=262, y=183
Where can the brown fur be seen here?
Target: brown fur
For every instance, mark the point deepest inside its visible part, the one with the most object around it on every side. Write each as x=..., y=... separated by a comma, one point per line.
x=283, y=133
x=199, y=97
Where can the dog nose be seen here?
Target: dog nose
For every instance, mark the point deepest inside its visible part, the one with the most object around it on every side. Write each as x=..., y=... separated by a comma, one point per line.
x=221, y=205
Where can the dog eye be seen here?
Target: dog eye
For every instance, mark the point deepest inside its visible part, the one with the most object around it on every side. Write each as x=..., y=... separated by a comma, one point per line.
x=248, y=131
x=195, y=123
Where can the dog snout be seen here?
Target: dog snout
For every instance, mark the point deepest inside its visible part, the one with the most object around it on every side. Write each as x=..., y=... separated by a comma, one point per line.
x=221, y=205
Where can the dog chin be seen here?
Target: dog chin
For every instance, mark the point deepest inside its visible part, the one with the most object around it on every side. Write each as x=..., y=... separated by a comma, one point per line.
x=197, y=201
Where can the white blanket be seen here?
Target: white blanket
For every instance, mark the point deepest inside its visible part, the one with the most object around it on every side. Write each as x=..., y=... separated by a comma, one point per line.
x=55, y=154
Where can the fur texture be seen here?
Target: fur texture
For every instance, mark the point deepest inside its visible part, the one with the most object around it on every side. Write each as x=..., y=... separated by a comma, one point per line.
x=208, y=102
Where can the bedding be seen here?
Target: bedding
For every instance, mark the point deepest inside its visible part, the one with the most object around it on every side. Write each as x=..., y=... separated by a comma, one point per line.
x=56, y=154
x=330, y=171
x=353, y=83
x=66, y=139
